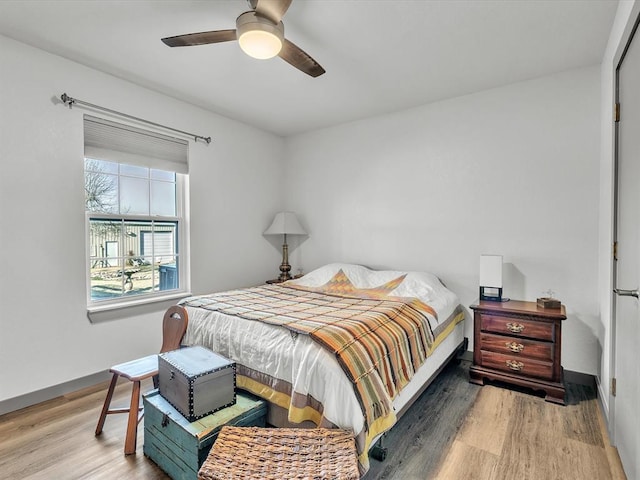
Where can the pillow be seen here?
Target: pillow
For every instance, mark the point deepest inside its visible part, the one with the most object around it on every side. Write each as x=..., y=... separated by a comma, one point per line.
x=429, y=289
x=341, y=284
x=386, y=288
x=421, y=285
x=357, y=275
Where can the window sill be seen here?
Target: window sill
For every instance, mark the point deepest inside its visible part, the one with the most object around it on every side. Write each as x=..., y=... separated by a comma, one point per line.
x=132, y=303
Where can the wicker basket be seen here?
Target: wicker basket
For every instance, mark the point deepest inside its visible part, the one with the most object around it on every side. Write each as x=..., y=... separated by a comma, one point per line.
x=281, y=454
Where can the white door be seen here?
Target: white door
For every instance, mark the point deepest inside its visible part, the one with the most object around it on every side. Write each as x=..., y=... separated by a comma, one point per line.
x=627, y=318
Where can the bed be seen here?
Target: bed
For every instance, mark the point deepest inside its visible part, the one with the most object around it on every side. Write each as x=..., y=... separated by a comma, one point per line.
x=343, y=346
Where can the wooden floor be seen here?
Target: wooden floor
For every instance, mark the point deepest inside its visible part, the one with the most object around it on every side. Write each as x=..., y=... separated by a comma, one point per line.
x=513, y=435
x=456, y=431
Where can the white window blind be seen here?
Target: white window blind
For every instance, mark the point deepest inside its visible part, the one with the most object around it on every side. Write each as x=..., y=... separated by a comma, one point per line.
x=158, y=244
x=117, y=142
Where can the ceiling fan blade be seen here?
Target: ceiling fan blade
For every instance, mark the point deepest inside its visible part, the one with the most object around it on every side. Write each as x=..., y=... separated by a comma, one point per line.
x=298, y=58
x=274, y=10
x=202, y=38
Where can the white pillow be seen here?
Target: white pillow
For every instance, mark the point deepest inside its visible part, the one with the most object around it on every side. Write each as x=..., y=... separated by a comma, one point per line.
x=429, y=289
x=421, y=285
x=358, y=275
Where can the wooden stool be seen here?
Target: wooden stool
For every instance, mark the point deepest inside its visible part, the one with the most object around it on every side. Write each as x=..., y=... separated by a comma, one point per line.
x=254, y=453
x=174, y=325
x=134, y=371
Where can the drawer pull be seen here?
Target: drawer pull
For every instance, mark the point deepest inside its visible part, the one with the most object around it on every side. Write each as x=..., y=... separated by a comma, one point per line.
x=514, y=347
x=515, y=365
x=515, y=327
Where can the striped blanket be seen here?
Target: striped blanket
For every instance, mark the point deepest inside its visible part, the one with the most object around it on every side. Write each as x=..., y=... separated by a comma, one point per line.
x=379, y=342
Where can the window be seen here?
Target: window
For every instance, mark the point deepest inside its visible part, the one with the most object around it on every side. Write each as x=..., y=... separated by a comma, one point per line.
x=134, y=202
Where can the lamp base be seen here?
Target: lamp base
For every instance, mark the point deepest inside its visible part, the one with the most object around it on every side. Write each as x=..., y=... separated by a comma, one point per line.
x=492, y=294
x=285, y=268
x=284, y=276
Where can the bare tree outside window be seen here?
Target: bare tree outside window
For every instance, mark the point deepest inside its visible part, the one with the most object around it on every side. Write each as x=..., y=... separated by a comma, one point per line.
x=100, y=187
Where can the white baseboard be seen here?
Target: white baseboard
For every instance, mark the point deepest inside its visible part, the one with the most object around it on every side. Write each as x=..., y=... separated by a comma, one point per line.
x=54, y=391
x=603, y=401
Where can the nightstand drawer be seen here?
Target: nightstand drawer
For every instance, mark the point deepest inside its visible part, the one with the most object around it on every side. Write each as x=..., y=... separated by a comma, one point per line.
x=517, y=365
x=517, y=326
x=517, y=346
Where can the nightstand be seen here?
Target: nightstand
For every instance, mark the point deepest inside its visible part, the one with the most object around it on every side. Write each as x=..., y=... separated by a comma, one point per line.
x=277, y=280
x=519, y=343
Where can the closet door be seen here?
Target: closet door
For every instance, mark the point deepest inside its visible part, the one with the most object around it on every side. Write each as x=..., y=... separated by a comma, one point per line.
x=627, y=304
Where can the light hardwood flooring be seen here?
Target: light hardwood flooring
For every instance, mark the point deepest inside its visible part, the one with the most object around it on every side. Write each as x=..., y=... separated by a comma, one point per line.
x=495, y=434
x=55, y=440
x=513, y=435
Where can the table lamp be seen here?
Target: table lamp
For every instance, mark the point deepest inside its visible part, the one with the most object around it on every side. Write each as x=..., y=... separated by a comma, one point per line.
x=491, y=277
x=285, y=223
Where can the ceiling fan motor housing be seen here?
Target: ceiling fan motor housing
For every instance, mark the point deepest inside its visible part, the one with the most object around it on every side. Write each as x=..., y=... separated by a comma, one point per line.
x=260, y=33
x=258, y=36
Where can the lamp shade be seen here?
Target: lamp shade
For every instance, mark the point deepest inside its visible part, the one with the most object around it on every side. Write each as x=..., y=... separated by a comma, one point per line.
x=285, y=223
x=491, y=271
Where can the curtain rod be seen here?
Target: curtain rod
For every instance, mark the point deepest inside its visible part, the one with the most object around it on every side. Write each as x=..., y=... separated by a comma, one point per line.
x=70, y=101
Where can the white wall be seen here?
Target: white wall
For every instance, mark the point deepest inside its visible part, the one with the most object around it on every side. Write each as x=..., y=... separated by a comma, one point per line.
x=620, y=33
x=45, y=336
x=511, y=171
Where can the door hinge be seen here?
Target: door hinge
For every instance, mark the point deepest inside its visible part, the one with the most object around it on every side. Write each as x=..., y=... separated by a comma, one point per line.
x=615, y=250
x=613, y=386
x=616, y=112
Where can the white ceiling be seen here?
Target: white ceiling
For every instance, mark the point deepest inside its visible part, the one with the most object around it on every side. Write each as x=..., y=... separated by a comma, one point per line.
x=380, y=55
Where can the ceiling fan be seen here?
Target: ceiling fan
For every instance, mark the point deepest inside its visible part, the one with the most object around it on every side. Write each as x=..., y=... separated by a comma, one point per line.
x=260, y=33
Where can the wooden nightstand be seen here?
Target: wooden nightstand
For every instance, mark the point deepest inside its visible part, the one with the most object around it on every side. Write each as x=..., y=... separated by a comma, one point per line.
x=277, y=280
x=519, y=343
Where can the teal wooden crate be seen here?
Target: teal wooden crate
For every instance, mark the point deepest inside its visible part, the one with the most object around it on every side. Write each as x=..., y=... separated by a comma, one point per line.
x=180, y=447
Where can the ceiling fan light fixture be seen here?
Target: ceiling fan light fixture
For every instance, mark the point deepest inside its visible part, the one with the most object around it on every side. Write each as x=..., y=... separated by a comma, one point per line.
x=259, y=37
